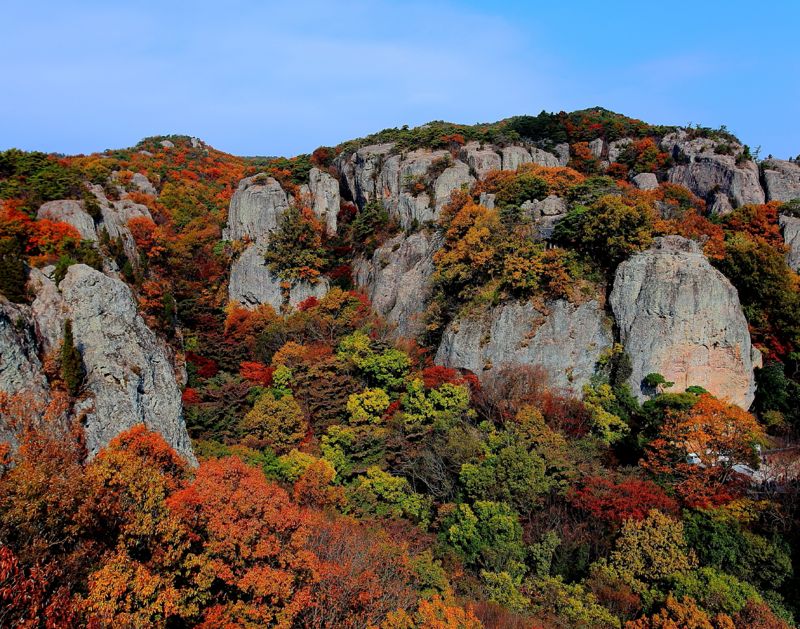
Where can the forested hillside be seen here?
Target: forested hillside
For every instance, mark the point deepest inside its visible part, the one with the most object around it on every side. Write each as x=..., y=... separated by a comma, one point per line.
x=543, y=372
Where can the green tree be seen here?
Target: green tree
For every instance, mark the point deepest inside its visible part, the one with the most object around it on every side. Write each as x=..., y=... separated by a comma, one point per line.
x=382, y=494
x=609, y=230
x=276, y=423
x=714, y=591
x=652, y=549
x=72, y=371
x=486, y=535
x=13, y=273
x=509, y=472
x=295, y=250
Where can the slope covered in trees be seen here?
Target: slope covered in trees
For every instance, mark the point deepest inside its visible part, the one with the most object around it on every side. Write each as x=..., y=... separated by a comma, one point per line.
x=373, y=450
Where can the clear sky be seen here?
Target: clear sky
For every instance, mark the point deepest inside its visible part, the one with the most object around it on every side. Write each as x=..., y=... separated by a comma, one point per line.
x=280, y=78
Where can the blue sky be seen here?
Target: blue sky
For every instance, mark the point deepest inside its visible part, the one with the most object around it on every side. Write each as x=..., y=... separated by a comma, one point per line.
x=268, y=78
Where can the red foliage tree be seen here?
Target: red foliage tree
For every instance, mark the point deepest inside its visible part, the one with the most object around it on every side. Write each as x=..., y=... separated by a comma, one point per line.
x=614, y=502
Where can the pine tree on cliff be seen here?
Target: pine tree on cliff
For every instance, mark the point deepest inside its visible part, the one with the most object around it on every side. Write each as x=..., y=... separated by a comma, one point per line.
x=71, y=363
x=12, y=271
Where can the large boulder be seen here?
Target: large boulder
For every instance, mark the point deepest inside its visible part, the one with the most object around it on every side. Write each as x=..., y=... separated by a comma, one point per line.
x=130, y=378
x=782, y=179
x=143, y=184
x=397, y=279
x=325, y=191
x=564, y=339
x=544, y=158
x=515, y=156
x=482, y=159
x=255, y=208
x=790, y=225
x=252, y=283
x=453, y=178
x=645, y=181
x=71, y=212
x=706, y=166
x=680, y=317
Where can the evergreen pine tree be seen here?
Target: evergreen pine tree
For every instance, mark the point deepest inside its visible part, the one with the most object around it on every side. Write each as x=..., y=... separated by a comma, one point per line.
x=12, y=271
x=71, y=363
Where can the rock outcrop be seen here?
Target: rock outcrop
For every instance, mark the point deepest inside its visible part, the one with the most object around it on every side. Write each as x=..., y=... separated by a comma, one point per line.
x=325, y=192
x=71, y=212
x=482, y=159
x=397, y=279
x=143, y=184
x=565, y=340
x=680, y=317
x=790, y=225
x=252, y=283
x=130, y=375
x=617, y=147
x=706, y=166
x=781, y=179
x=114, y=217
x=255, y=208
x=378, y=172
x=20, y=367
x=129, y=372
x=645, y=181
x=115, y=221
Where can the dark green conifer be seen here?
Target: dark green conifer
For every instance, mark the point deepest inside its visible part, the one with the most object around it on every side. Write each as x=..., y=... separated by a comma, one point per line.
x=71, y=363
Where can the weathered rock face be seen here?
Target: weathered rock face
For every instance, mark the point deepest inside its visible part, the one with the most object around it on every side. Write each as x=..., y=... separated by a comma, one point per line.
x=49, y=309
x=20, y=367
x=325, y=191
x=617, y=148
x=566, y=341
x=130, y=377
x=680, y=317
x=114, y=219
x=129, y=374
x=70, y=212
x=481, y=159
x=562, y=151
x=377, y=173
x=454, y=178
x=782, y=180
x=645, y=181
x=252, y=283
x=143, y=184
x=790, y=226
x=596, y=147
x=397, y=279
x=255, y=208
x=704, y=171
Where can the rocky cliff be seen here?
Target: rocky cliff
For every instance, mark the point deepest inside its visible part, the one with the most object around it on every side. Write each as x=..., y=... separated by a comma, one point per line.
x=719, y=172
x=255, y=210
x=397, y=279
x=130, y=374
x=564, y=339
x=680, y=317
